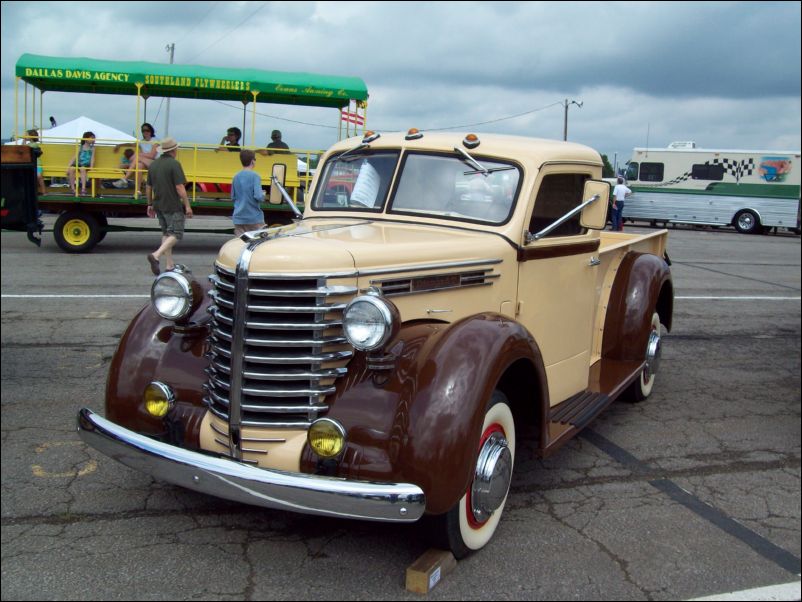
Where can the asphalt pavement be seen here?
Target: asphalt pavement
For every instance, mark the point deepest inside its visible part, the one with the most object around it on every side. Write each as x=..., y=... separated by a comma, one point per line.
x=692, y=493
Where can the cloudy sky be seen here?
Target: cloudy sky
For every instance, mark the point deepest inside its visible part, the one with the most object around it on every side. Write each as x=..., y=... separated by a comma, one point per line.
x=724, y=74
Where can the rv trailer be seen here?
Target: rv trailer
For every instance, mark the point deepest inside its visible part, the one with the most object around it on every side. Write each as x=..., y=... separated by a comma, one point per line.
x=751, y=190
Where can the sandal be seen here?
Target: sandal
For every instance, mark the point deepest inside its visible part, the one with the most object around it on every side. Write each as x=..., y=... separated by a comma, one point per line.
x=154, y=264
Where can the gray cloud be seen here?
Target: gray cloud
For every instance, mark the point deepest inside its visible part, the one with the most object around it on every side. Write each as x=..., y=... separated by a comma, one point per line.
x=721, y=73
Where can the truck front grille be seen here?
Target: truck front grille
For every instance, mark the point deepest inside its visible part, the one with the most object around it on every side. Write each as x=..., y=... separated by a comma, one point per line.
x=293, y=348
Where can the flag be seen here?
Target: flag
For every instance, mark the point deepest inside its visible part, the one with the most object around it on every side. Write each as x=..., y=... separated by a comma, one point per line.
x=354, y=118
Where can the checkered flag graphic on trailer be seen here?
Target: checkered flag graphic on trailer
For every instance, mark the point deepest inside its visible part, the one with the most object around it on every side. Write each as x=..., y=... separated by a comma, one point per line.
x=737, y=169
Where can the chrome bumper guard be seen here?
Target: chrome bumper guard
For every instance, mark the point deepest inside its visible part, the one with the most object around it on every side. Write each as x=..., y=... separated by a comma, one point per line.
x=225, y=478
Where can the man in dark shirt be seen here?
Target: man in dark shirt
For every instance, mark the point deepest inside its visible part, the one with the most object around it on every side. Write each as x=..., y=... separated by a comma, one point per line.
x=276, y=143
x=168, y=201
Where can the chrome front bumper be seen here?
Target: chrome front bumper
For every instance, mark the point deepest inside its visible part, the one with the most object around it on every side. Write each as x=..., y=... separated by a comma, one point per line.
x=225, y=478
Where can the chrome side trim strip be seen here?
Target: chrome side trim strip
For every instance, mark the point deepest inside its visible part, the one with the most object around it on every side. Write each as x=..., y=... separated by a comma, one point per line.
x=429, y=267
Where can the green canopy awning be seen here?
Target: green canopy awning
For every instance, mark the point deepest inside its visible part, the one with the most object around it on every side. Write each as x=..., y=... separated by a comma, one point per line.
x=97, y=76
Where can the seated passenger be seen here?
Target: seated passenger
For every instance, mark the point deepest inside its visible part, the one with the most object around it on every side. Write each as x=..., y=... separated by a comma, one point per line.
x=148, y=151
x=230, y=141
x=86, y=159
x=277, y=146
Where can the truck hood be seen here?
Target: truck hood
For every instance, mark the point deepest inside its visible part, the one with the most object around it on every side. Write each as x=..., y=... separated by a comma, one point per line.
x=316, y=246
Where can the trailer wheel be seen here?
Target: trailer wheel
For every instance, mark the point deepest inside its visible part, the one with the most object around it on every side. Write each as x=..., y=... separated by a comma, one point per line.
x=76, y=232
x=746, y=222
x=471, y=523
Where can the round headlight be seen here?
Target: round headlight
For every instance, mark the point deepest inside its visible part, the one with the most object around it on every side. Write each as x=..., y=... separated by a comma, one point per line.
x=367, y=322
x=171, y=295
x=326, y=437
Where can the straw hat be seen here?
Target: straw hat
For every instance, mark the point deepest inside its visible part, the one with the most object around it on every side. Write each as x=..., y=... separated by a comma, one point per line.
x=169, y=144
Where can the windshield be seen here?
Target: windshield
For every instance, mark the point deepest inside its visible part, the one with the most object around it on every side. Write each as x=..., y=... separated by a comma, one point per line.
x=359, y=181
x=442, y=186
x=447, y=186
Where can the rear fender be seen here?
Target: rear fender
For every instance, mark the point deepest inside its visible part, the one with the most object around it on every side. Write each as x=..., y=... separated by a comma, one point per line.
x=642, y=285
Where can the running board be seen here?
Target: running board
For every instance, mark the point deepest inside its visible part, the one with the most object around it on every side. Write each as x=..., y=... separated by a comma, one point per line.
x=570, y=417
x=608, y=378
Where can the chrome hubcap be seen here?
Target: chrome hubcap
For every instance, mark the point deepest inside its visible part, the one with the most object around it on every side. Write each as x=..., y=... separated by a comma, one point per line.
x=492, y=478
x=746, y=222
x=653, y=352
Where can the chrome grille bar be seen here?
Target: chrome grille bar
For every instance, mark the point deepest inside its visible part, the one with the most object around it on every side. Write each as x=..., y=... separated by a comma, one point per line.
x=277, y=347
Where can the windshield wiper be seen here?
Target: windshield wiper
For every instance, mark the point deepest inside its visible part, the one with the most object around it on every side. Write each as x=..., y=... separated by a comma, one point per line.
x=478, y=167
x=356, y=149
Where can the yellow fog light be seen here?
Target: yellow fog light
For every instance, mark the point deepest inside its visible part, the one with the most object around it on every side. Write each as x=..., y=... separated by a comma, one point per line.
x=326, y=437
x=159, y=399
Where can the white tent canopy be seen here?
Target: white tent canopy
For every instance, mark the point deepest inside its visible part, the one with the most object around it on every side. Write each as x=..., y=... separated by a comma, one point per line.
x=70, y=131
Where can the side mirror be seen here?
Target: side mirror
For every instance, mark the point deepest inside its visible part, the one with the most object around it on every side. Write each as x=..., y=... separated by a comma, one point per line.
x=279, y=173
x=594, y=216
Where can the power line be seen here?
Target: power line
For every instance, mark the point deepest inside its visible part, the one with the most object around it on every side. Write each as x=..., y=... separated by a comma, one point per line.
x=452, y=127
x=470, y=125
x=225, y=35
x=194, y=27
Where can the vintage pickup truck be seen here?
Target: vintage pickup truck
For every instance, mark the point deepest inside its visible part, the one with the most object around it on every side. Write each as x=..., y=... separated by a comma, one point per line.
x=375, y=359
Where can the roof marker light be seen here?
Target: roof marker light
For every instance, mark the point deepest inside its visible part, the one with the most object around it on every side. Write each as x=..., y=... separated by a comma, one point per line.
x=471, y=141
x=370, y=136
x=414, y=134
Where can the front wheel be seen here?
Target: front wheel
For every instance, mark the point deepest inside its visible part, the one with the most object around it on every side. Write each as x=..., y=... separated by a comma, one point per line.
x=642, y=386
x=471, y=523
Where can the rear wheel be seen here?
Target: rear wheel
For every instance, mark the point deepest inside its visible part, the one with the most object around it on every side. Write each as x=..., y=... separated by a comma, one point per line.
x=471, y=523
x=76, y=232
x=642, y=386
x=747, y=222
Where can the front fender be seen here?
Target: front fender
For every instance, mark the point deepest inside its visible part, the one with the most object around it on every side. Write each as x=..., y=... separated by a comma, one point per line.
x=153, y=348
x=416, y=416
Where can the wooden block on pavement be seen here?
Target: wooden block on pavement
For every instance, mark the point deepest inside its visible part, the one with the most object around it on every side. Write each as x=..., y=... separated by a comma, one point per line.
x=429, y=569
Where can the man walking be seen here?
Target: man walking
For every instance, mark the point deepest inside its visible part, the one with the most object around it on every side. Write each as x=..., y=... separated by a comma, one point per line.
x=168, y=201
x=247, y=193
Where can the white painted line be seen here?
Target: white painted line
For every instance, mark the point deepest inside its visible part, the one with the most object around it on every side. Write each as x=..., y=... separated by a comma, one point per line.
x=734, y=298
x=74, y=296
x=785, y=591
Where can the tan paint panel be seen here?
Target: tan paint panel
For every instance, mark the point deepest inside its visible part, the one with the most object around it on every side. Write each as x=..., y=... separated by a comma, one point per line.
x=283, y=454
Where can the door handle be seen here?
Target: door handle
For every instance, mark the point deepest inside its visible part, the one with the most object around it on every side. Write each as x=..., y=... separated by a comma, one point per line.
x=594, y=261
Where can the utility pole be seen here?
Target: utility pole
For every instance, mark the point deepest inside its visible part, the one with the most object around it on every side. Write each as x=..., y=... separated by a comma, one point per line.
x=566, y=104
x=171, y=49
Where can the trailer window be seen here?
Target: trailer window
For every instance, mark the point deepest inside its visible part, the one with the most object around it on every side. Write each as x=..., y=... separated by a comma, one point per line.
x=632, y=171
x=707, y=172
x=651, y=172
x=558, y=194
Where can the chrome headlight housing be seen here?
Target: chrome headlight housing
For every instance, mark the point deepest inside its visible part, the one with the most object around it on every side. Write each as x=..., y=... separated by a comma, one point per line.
x=172, y=294
x=369, y=321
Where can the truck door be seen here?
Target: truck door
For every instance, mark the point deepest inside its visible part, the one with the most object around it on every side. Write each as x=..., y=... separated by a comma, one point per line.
x=557, y=281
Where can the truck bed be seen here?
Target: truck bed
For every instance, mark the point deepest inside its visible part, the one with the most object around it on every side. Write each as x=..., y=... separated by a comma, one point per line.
x=653, y=242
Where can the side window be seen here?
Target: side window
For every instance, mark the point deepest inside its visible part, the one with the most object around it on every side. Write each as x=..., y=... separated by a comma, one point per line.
x=651, y=172
x=632, y=171
x=707, y=172
x=558, y=194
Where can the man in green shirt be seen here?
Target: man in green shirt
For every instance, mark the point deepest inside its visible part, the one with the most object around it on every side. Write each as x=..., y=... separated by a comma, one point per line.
x=168, y=201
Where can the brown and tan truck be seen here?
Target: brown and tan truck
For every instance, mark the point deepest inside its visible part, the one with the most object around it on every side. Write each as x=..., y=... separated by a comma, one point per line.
x=376, y=358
